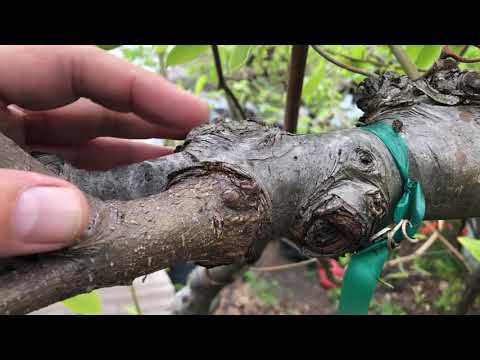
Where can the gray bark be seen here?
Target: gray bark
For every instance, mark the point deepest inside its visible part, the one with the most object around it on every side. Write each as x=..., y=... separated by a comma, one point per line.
x=234, y=185
x=199, y=295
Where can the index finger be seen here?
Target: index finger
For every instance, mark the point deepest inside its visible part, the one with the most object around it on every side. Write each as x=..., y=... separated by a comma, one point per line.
x=44, y=77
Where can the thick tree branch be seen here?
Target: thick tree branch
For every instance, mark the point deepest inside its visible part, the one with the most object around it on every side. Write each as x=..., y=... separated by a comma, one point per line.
x=234, y=185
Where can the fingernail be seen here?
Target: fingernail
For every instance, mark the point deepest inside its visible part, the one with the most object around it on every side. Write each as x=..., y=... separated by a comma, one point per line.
x=48, y=215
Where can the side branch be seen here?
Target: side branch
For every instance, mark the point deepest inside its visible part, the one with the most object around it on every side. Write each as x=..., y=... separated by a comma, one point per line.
x=222, y=84
x=353, y=69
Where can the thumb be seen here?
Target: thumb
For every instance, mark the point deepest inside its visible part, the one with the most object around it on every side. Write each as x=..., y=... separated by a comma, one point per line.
x=39, y=213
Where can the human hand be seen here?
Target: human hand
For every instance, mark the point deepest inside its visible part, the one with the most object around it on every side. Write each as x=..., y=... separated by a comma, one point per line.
x=83, y=104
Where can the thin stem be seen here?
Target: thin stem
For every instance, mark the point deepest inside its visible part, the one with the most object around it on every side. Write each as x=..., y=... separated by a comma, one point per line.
x=407, y=65
x=464, y=50
x=135, y=300
x=342, y=65
x=296, y=74
x=161, y=65
x=450, y=247
x=285, y=266
x=222, y=84
x=350, y=58
x=450, y=53
x=419, y=252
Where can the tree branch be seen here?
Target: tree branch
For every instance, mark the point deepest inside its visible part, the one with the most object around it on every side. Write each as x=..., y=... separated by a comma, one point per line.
x=352, y=59
x=203, y=287
x=342, y=65
x=407, y=65
x=296, y=74
x=239, y=184
x=222, y=84
x=464, y=50
x=449, y=53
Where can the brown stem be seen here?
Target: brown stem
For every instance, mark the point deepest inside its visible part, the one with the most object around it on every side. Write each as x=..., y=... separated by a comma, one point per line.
x=296, y=74
x=449, y=53
x=222, y=84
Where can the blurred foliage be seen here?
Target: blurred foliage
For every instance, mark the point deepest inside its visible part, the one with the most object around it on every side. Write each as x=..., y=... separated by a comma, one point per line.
x=263, y=289
x=257, y=74
x=387, y=308
x=84, y=304
x=472, y=245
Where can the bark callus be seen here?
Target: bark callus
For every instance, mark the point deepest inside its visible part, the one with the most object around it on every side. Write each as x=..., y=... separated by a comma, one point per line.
x=337, y=198
x=350, y=204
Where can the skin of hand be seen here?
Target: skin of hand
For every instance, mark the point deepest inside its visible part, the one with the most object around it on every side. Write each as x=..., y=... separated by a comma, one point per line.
x=85, y=105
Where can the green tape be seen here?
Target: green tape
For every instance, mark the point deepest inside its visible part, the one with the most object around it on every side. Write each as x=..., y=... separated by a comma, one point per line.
x=365, y=266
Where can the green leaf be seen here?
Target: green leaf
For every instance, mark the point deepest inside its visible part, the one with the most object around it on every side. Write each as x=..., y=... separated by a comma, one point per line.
x=85, y=304
x=344, y=260
x=108, y=47
x=200, y=84
x=181, y=54
x=472, y=245
x=239, y=55
x=358, y=51
x=160, y=49
x=419, y=236
x=427, y=56
x=413, y=51
x=456, y=48
x=313, y=81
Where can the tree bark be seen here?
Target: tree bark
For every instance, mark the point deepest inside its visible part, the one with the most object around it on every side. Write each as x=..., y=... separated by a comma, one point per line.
x=234, y=185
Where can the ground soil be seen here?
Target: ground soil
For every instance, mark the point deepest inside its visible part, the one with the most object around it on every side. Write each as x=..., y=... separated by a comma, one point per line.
x=298, y=291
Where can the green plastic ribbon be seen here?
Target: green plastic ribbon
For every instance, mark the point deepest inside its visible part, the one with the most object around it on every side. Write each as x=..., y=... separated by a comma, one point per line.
x=365, y=266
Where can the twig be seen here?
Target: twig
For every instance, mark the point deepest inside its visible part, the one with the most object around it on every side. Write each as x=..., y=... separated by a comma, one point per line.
x=285, y=266
x=290, y=243
x=463, y=50
x=338, y=63
x=407, y=65
x=322, y=261
x=352, y=59
x=222, y=84
x=419, y=252
x=135, y=300
x=449, y=53
x=450, y=247
x=296, y=73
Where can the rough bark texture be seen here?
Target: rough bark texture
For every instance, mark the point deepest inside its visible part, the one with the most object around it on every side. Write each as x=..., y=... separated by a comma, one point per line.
x=234, y=185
